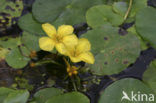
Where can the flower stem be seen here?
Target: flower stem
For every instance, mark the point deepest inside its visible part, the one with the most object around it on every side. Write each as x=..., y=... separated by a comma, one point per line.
x=129, y=9
x=73, y=82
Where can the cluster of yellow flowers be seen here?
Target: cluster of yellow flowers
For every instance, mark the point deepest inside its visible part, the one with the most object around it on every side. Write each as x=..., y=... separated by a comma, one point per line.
x=66, y=43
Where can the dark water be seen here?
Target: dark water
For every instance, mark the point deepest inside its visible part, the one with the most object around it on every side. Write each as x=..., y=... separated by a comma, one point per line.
x=135, y=70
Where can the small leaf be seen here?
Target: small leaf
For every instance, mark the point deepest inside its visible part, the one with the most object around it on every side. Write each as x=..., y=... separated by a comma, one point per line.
x=137, y=5
x=59, y=12
x=44, y=94
x=17, y=60
x=149, y=76
x=29, y=24
x=8, y=42
x=4, y=93
x=30, y=41
x=120, y=8
x=18, y=96
x=73, y=97
x=146, y=24
x=123, y=91
x=102, y=14
x=142, y=42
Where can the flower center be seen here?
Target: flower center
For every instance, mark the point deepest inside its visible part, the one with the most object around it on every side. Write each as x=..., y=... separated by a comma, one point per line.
x=57, y=38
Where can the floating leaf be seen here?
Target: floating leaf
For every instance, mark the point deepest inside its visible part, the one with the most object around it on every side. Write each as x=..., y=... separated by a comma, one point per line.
x=4, y=93
x=62, y=11
x=102, y=14
x=146, y=24
x=16, y=59
x=137, y=5
x=142, y=42
x=120, y=8
x=30, y=41
x=44, y=94
x=8, y=42
x=73, y=97
x=149, y=76
x=18, y=96
x=113, y=52
x=29, y=24
x=128, y=87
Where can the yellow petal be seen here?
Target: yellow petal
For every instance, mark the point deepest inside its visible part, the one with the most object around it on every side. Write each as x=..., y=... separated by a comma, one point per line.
x=65, y=30
x=49, y=29
x=61, y=48
x=83, y=45
x=70, y=41
x=46, y=43
x=87, y=57
x=74, y=59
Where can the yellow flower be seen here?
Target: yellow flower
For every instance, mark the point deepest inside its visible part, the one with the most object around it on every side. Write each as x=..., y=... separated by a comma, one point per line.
x=63, y=36
x=81, y=52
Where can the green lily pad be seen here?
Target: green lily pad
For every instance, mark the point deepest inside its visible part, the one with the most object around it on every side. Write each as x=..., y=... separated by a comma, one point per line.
x=149, y=76
x=137, y=5
x=30, y=41
x=113, y=52
x=44, y=94
x=146, y=24
x=29, y=24
x=120, y=8
x=142, y=42
x=127, y=91
x=103, y=14
x=9, y=42
x=16, y=59
x=62, y=11
x=4, y=93
x=18, y=96
x=73, y=97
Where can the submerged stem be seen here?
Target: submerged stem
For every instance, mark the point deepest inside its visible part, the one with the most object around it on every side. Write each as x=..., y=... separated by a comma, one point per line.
x=129, y=9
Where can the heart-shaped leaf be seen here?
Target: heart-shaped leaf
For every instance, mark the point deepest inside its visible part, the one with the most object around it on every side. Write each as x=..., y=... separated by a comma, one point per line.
x=127, y=91
x=62, y=11
x=103, y=14
x=29, y=24
x=146, y=24
x=44, y=94
x=113, y=52
x=149, y=76
x=73, y=97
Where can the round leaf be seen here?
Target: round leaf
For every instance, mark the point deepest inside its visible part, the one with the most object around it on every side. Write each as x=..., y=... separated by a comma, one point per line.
x=18, y=96
x=29, y=24
x=73, y=97
x=146, y=24
x=113, y=52
x=17, y=60
x=130, y=88
x=49, y=10
x=149, y=76
x=60, y=12
x=8, y=42
x=44, y=94
x=137, y=5
x=4, y=93
x=102, y=14
x=30, y=41
x=120, y=8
